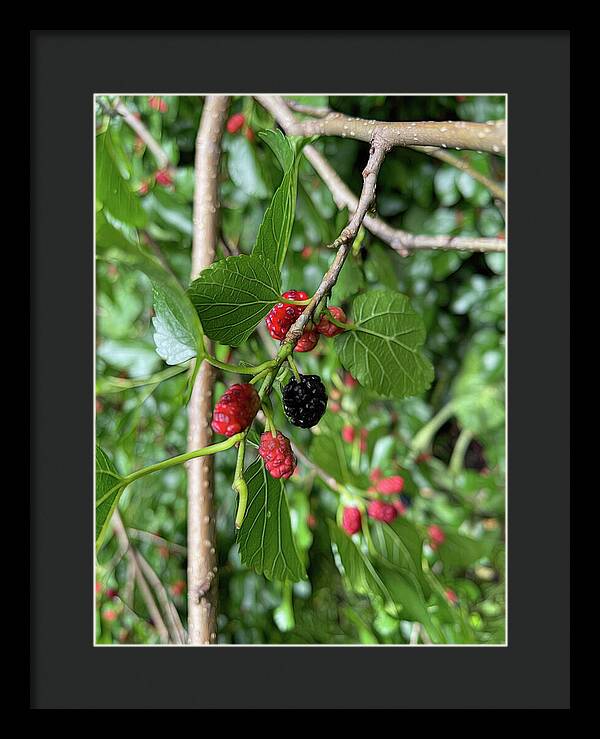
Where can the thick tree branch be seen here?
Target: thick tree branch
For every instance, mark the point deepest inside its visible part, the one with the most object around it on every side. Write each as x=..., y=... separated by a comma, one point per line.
x=201, y=546
x=489, y=136
x=140, y=129
x=401, y=241
x=444, y=156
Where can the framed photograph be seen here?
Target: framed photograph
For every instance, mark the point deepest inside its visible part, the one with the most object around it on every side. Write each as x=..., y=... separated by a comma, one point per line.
x=299, y=310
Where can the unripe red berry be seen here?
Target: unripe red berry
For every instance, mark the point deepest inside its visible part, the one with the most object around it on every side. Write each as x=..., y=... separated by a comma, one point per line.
x=351, y=520
x=163, y=177
x=327, y=328
x=348, y=434
x=235, y=122
x=99, y=587
x=311, y=520
x=236, y=409
x=390, y=485
x=157, y=103
x=178, y=587
x=308, y=341
x=350, y=381
x=375, y=475
x=381, y=511
x=281, y=317
x=306, y=253
x=277, y=454
x=436, y=536
x=335, y=407
x=451, y=596
x=111, y=592
x=250, y=135
x=399, y=507
x=423, y=457
x=109, y=615
x=143, y=188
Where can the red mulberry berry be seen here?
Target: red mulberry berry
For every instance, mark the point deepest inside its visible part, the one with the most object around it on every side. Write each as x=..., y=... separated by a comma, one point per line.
x=351, y=520
x=308, y=341
x=327, y=328
x=390, y=485
x=157, y=103
x=143, y=189
x=399, y=507
x=277, y=454
x=375, y=475
x=250, y=135
x=235, y=122
x=235, y=410
x=282, y=316
x=348, y=434
x=350, y=381
x=381, y=511
x=164, y=178
x=451, y=596
x=436, y=536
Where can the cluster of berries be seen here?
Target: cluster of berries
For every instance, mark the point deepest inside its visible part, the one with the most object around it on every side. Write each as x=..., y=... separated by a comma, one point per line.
x=379, y=509
x=304, y=402
x=283, y=315
x=236, y=123
x=163, y=178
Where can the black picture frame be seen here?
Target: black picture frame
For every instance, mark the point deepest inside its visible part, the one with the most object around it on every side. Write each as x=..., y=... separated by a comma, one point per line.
x=66, y=69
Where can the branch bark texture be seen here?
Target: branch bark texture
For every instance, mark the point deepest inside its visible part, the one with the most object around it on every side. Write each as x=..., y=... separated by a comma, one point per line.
x=201, y=546
x=399, y=240
x=489, y=136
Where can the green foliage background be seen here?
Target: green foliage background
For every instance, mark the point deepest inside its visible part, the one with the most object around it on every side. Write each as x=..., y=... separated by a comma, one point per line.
x=461, y=298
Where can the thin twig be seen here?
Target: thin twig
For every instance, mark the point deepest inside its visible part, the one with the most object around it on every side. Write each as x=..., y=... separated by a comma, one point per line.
x=161, y=156
x=490, y=136
x=343, y=243
x=202, y=558
x=176, y=630
x=146, y=593
x=401, y=241
x=156, y=539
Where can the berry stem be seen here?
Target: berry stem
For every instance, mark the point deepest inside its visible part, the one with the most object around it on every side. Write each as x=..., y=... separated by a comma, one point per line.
x=239, y=368
x=458, y=453
x=270, y=424
x=339, y=324
x=288, y=301
x=181, y=458
x=293, y=367
x=239, y=484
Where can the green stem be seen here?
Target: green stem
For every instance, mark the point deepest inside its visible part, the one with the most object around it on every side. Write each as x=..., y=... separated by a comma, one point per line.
x=459, y=451
x=287, y=301
x=239, y=368
x=339, y=324
x=181, y=458
x=270, y=424
x=423, y=438
x=293, y=367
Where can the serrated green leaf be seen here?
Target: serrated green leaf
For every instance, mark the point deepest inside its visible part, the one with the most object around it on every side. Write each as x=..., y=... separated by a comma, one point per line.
x=265, y=537
x=178, y=333
x=400, y=544
x=382, y=352
x=111, y=189
x=275, y=230
x=244, y=168
x=330, y=453
x=233, y=295
x=109, y=486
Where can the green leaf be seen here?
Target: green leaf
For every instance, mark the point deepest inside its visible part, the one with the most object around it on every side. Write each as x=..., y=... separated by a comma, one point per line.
x=178, y=333
x=265, y=537
x=233, y=295
x=382, y=352
x=244, y=168
x=111, y=189
x=275, y=230
x=399, y=591
x=459, y=552
x=329, y=452
x=478, y=391
x=109, y=486
x=400, y=544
